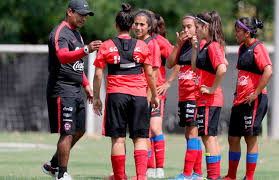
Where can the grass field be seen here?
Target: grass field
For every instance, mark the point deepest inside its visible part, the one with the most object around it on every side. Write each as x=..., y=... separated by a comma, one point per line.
x=90, y=158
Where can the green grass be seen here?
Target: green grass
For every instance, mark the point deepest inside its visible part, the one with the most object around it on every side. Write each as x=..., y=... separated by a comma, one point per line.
x=90, y=158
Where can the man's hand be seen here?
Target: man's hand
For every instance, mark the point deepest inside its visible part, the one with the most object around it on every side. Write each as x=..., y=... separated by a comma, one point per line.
x=89, y=94
x=97, y=106
x=154, y=103
x=94, y=45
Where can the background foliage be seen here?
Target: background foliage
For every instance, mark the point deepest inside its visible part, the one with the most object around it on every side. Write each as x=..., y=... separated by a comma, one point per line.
x=30, y=21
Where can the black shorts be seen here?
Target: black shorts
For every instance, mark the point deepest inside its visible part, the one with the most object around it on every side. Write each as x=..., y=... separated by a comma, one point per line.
x=186, y=113
x=66, y=115
x=247, y=120
x=160, y=111
x=208, y=119
x=122, y=110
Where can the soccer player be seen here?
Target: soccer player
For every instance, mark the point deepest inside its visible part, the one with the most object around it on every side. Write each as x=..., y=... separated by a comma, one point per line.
x=209, y=64
x=158, y=144
x=66, y=77
x=180, y=59
x=143, y=28
x=250, y=102
x=129, y=73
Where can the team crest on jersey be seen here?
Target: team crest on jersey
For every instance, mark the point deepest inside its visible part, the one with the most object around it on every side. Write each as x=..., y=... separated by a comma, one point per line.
x=67, y=126
x=137, y=49
x=242, y=80
x=78, y=66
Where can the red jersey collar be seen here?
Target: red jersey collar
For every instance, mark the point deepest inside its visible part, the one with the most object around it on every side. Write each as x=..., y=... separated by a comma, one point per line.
x=67, y=24
x=251, y=43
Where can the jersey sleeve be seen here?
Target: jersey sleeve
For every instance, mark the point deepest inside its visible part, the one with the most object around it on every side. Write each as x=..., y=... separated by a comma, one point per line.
x=216, y=54
x=165, y=46
x=85, y=80
x=100, y=60
x=261, y=55
x=62, y=49
x=155, y=53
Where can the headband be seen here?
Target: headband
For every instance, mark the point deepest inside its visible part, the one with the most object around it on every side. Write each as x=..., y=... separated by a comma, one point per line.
x=191, y=17
x=244, y=27
x=201, y=20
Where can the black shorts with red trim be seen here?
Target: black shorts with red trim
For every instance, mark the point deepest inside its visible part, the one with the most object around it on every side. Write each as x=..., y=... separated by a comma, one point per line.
x=160, y=111
x=247, y=120
x=66, y=115
x=208, y=119
x=186, y=113
x=124, y=110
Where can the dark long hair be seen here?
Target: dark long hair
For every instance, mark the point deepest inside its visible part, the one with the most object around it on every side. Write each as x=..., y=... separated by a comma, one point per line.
x=125, y=18
x=146, y=13
x=251, y=23
x=160, y=27
x=215, y=26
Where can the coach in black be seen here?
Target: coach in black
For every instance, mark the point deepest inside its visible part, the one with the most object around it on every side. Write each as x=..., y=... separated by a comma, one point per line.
x=65, y=101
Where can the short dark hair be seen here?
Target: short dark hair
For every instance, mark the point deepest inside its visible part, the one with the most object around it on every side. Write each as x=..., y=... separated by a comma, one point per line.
x=125, y=18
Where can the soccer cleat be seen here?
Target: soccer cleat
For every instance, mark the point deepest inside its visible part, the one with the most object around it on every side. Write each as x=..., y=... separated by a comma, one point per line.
x=160, y=173
x=196, y=176
x=151, y=173
x=47, y=169
x=66, y=176
x=245, y=178
x=228, y=178
x=182, y=177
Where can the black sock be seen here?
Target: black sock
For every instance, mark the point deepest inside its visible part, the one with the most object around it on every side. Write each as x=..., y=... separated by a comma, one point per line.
x=62, y=169
x=54, y=162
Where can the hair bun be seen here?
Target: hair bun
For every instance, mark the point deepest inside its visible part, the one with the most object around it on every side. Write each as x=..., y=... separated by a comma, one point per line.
x=126, y=7
x=259, y=23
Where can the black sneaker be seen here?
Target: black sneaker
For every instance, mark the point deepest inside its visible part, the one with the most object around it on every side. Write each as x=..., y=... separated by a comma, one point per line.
x=50, y=170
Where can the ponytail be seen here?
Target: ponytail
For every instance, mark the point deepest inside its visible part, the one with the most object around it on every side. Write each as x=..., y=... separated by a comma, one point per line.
x=250, y=24
x=215, y=26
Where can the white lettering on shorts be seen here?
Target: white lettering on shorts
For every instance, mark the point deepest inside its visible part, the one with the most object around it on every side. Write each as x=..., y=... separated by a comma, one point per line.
x=68, y=109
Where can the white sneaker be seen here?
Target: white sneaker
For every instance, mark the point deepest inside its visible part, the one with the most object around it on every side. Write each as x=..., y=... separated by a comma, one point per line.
x=160, y=173
x=151, y=173
x=66, y=176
